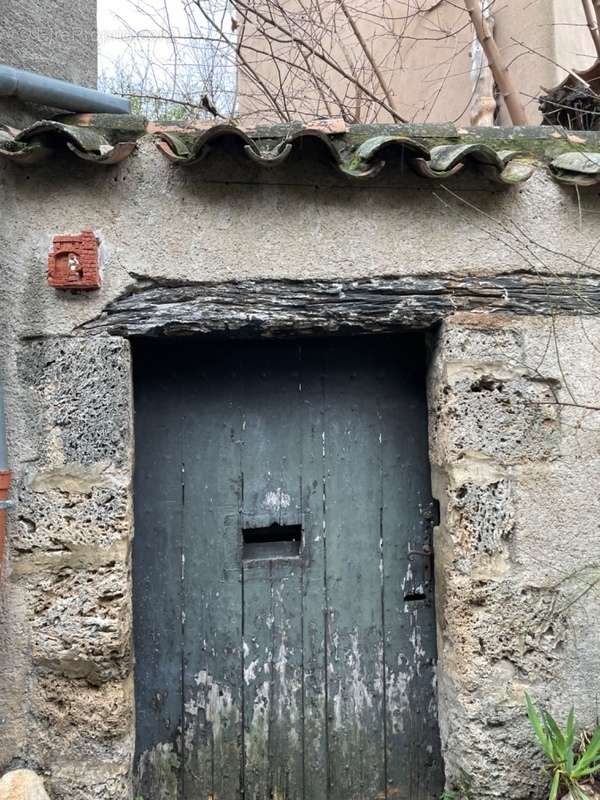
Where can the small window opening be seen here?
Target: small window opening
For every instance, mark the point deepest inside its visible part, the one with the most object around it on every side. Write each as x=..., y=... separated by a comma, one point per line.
x=275, y=541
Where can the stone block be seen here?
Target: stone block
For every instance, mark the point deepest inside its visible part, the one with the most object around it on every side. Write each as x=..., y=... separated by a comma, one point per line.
x=480, y=338
x=22, y=784
x=81, y=735
x=484, y=517
x=508, y=419
x=81, y=622
x=80, y=716
x=519, y=625
x=90, y=779
x=79, y=397
x=61, y=523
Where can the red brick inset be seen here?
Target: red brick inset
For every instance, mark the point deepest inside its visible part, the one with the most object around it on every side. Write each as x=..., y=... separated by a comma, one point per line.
x=73, y=262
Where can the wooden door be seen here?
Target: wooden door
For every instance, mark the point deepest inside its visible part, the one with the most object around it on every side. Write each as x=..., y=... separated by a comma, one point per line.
x=283, y=598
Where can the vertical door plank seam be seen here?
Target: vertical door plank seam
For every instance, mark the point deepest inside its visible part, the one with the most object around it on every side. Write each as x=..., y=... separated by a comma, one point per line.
x=326, y=648
x=183, y=607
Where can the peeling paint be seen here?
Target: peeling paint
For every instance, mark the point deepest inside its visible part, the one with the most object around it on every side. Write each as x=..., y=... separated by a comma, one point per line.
x=157, y=773
x=277, y=500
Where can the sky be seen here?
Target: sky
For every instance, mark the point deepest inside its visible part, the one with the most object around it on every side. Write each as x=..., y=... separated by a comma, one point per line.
x=114, y=17
x=154, y=65
x=110, y=27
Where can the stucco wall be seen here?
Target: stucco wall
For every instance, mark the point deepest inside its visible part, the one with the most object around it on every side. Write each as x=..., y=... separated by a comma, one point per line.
x=57, y=38
x=516, y=474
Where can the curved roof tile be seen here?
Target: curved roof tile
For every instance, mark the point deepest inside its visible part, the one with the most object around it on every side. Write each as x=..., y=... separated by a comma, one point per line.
x=365, y=160
x=579, y=167
x=360, y=152
x=40, y=140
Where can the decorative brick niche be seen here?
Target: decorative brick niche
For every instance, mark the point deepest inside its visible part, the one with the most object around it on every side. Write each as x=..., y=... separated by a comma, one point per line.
x=73, y=262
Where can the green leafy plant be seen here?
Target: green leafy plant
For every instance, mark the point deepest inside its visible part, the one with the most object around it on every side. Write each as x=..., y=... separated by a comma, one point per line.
x=571, y=766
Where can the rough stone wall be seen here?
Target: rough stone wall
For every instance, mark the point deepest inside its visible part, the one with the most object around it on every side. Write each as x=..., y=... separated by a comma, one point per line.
x=517, y=476
x=70, y=542
x=516, y=469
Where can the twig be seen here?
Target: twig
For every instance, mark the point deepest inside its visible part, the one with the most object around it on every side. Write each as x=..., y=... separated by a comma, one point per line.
x=369, y=56
x=497, y=64
x=252, y=74
x=592, y=21
x=165, y=99
x=317, y=53
x=551, y=60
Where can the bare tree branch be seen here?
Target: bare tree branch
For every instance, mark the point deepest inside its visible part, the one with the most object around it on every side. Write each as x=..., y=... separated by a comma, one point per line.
x=384, y=87
x=592, y=21
x=363, y=60
x=597, y=10
x=319, y=54
x=497, y=64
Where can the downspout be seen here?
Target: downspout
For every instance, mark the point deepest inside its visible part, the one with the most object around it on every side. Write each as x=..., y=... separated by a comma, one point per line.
x=40, y=90
x=5, y=478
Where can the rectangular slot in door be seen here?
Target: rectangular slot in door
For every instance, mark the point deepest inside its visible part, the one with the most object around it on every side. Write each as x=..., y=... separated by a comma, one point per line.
x=274, y=541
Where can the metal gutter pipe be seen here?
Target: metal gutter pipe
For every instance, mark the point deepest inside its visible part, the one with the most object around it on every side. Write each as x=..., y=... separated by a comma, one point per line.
x=38, y=89
x=5, y=478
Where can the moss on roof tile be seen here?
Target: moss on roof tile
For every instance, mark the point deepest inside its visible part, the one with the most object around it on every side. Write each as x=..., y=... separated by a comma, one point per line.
x=506, y=155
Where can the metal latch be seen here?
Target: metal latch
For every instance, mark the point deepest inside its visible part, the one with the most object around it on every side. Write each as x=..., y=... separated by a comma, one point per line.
x=6, y=504
x=431, y=518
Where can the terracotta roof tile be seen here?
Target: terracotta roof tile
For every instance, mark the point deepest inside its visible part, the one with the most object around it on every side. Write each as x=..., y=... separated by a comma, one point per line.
x=507, y=156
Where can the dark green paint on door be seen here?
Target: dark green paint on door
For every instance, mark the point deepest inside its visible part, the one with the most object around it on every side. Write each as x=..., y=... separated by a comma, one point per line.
x=283, y=602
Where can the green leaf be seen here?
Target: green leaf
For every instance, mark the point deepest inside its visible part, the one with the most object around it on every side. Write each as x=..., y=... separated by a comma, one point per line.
x=570, y=732
x=555, y=786
x=569, y=740
x=591, y=752
x=577, y=792
x=585, y=773
x=556, y=738
x=536, y=724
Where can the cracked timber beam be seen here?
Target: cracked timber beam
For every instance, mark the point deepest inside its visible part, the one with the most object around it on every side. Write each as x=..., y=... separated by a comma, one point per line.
x=280, y=307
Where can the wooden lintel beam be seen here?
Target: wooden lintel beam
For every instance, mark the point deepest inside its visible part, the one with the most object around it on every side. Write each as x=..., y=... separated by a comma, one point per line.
x=296, y=307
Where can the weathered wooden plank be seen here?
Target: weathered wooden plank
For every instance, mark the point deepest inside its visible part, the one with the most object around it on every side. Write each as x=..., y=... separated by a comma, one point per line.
x=273, y=681
x=271, y=466
x=157, y=599
x=354, y=625
x=412, y=745
x=213, y=766
x=258, y=684
x=297, y=307
x=314, y=599
x=276, y=700
x=287, y=724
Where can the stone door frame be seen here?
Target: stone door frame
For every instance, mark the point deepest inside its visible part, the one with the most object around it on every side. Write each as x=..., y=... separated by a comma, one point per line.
x=80, y=409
